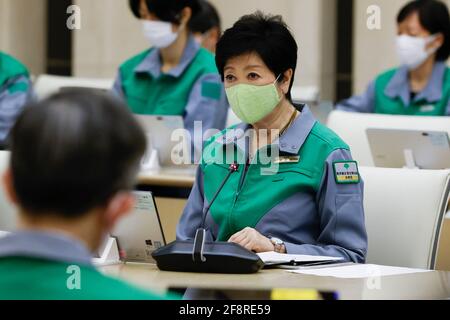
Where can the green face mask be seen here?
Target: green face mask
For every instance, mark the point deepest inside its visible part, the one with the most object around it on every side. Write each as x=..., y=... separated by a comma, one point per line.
x=253, y=103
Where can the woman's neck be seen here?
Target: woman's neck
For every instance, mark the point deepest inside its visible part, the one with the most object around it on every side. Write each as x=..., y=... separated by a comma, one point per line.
x=272, y=126
x=171, y=56
x=419, y=78
x=278, y=119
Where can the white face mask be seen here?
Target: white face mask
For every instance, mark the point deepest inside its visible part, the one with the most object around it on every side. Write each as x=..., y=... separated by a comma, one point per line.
x=159, y=33
x=412, y=51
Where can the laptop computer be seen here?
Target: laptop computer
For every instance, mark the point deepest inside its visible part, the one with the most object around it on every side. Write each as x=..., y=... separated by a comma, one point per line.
x=140, y=232
x=167, y=136
x=391, y=148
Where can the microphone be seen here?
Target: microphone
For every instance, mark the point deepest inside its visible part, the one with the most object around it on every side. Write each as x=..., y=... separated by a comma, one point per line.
x=200, y=235
x=233, y=168
x=208, y=257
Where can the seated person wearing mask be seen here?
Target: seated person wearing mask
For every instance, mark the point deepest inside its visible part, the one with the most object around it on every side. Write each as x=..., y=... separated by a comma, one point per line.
x=206, y=26
x=421, y=85
x=308, y=197
x=74, y=159
x=176, y=77
x=15, y=92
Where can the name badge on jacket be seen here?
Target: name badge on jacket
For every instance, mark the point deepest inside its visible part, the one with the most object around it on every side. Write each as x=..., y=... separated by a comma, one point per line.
x=287, y=159
x=427, y=108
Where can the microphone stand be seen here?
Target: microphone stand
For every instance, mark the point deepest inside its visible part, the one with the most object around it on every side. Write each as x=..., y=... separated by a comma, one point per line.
x=200, y=235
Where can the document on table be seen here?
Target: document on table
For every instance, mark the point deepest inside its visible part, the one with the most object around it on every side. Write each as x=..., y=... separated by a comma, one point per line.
x=274, y=258
x=358, y=271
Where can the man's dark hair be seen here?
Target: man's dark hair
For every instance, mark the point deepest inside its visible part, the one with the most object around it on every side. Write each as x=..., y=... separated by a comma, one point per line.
x=206, y=19
x=266, y=35
x=74, y=151
x=434, y=17
x=166, y=10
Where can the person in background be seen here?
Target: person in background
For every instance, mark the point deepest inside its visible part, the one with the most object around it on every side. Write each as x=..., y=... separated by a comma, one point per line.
x=15, y=92
x=74, y=159
x=421, y=85
x=297, y=189
x=176, y=76
x=206, y=26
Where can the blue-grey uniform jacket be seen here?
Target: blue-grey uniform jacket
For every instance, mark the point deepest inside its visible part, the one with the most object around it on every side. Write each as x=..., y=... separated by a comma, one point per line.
x=200, y=107
x=399, y=88
x=327, y=221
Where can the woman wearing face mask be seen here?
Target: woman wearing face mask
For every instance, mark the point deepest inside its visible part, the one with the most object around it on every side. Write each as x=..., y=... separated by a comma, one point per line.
x=175, y=76
x=421, y=86
x=295, y=189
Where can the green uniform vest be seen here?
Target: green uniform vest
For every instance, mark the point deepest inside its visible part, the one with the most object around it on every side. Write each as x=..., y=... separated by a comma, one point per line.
x=35, y=279
x=165, y=95
x=387, y=105
x=11, y=68
x=243, y=203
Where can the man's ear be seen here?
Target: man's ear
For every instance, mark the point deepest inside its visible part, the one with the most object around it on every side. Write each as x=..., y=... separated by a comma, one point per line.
x=118, y=207
x=8, y=186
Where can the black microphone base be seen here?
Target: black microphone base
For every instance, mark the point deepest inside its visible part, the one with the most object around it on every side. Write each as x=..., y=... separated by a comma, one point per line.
x=221, y=257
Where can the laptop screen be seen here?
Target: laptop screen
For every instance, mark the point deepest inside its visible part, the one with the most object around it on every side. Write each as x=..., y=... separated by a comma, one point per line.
x=140, y=233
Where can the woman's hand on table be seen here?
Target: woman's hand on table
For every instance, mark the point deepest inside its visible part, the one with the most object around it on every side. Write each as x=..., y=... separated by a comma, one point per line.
x=252, y=240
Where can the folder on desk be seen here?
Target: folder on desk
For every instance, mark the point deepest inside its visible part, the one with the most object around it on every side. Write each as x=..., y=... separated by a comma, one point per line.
x=279, y=259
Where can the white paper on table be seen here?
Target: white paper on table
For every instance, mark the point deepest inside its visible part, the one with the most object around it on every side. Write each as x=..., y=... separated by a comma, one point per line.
x=357, y=271
x=279, y=258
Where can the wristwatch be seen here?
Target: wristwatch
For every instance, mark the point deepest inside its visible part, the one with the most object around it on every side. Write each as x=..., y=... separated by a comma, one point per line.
x=278, y=245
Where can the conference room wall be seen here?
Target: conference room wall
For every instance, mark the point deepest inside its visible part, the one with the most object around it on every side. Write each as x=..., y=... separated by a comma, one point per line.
x=312, y=23
x=374, y=50
x=23, y=31
x=110, y=34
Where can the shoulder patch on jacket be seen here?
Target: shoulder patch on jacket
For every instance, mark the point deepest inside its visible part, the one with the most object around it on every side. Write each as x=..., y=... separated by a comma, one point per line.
x=346, y=172
x=211, y=90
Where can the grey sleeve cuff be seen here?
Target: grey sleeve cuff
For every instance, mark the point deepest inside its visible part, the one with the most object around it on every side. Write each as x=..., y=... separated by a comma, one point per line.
x=356, y=256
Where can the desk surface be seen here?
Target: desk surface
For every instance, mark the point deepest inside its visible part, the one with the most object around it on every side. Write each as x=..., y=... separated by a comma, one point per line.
x=168, y=178
x=429, y=285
